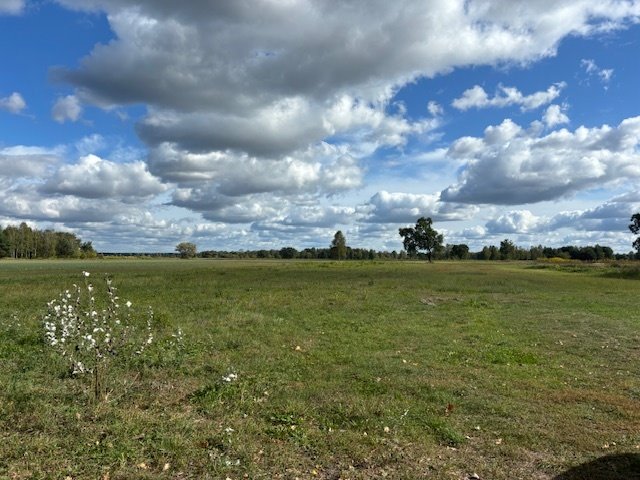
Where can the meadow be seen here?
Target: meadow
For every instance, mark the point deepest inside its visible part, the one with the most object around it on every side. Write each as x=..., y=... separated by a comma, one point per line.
x=305, y=369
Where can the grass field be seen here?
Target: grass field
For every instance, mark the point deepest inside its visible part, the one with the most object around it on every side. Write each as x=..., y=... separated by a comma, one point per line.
x=344, y=370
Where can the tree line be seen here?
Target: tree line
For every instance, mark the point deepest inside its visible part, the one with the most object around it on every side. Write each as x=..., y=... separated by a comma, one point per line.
x=505, y=251
x=423, y=241
x=313, y=253
x=26, y=242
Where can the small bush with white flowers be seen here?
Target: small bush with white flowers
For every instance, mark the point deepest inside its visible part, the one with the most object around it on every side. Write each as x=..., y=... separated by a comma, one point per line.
x=89, y=328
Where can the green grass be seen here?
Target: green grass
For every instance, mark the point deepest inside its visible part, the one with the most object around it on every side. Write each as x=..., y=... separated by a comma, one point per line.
x=345, y=370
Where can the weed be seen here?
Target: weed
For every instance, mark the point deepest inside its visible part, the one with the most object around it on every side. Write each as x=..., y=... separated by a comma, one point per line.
x=89, y=333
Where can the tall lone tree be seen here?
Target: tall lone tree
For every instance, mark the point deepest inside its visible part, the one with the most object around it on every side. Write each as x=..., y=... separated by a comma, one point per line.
x=635, y=229
x=421, y=237
x=338, y=246
x=186, y=249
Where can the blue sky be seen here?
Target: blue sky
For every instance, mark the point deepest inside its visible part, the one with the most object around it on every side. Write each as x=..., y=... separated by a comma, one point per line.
x=246, y=125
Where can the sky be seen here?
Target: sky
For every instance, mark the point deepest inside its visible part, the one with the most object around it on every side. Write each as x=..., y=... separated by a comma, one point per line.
x=259, y=124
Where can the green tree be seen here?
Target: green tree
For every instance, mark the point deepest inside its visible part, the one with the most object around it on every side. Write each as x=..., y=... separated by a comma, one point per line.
x=535, y=252
x=25, y=241
x=11, y=235
x=588, y=254
x=87, y=250
x=46, y=243
x=608, y=252
x=484, y=254
x=186, y=249
x=338, y=246
x=507, y=250
x=288, y=253
x=460, y=251
x=4, y=245
x=635, y=229
x=421, y=237
x=67, y=245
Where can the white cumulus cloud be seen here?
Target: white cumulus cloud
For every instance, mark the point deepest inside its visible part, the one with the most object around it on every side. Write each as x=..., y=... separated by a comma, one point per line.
x=611, y=216
x=94, y=177
x=434, y=108
x=14, y=103
x=25, y=201
x=67, y=108
x=517, y=221
x=477, y=97
x=398, y=207
x=554, y=116
x=23, y=161
x=510, y=165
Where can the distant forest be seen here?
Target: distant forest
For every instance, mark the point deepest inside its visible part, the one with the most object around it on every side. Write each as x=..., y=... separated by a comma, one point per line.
x=27, y=242
x=505, y=251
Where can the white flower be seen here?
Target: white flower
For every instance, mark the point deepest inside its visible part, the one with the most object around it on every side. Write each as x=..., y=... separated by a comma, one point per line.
x=230, y=377
x=86, y=274
x=129, y=304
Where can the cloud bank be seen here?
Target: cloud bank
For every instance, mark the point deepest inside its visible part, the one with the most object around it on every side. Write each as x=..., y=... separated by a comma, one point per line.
x=510, y=165
x=266, y=87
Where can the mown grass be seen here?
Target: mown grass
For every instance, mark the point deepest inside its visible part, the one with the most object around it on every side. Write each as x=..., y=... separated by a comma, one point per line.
x=345, y=370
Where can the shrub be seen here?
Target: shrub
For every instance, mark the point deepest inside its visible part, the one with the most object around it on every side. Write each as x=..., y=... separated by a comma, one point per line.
x=89, y=328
